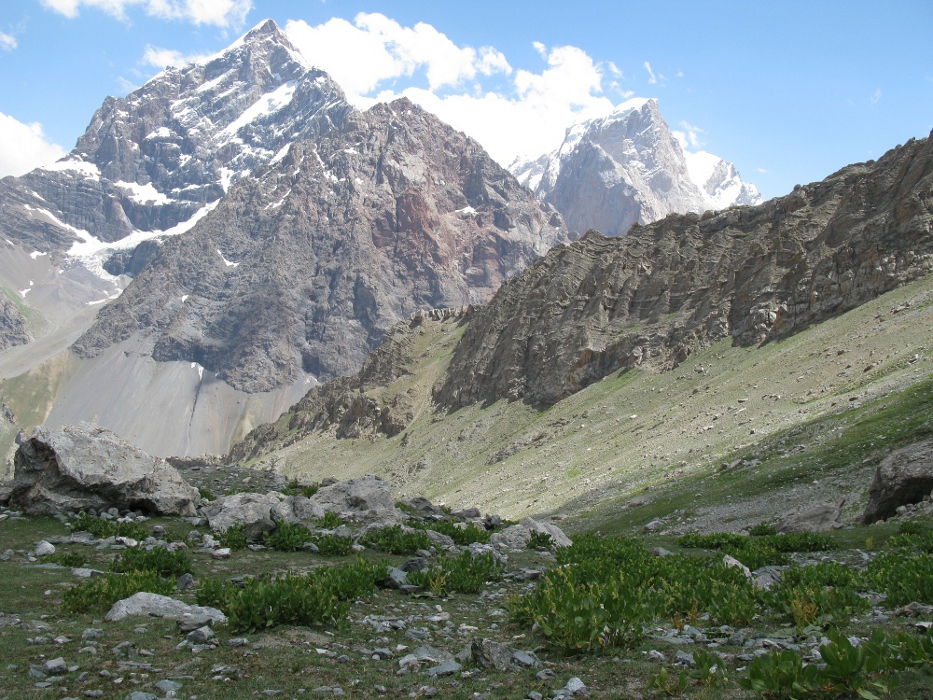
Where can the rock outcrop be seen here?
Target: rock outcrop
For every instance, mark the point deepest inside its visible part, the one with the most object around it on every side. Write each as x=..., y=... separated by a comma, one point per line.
x=517, y=536
x=82, y=467
x=903, y=478
x=668, y=289
x=818, y=518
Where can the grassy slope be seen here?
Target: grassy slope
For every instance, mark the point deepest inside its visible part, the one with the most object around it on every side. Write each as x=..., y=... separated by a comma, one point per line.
x=643, y=429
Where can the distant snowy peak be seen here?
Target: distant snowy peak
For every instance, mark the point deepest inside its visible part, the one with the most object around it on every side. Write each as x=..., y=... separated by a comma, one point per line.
x=719, y=181
x=628, y=167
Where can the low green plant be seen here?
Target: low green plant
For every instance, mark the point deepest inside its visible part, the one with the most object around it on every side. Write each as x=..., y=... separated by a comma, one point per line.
x=463, y=536
x=294, y=488
x=319, y=598
x=668, y=684
x=73, y=559
x=288, y=537
x=716, y=540
x=234, y=537
x=332, y=545
x=762, y=530
x=464, y=573
x=329, y=521
x=158, y=559
x=910, y=527
x=540, y=540
x=902, y=578
x=824, y=593
x=99, y=527
x=101, y=592
x=780, y=674
x=801, y=542
x=395, y=540
x=206, y=494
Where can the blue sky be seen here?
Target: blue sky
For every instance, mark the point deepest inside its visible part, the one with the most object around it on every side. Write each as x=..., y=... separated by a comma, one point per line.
x=788, y=91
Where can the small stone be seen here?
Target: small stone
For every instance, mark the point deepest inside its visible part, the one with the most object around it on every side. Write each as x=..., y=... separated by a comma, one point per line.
x=201, y=635
x=185, y=582
x=575, y=686
x=446, y=669
x=535, y=695
x=167, y=686
x=222, y=553
x=238, y=642
x=684, y=659
x=656, y=656
x=44, y=548
x=56, y=667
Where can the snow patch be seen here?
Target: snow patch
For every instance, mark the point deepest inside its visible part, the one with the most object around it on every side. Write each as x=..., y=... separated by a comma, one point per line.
x=35, y=255
x=267, y=104
x=227, y=262
x=163, y=132
x=184, y=298
x=144, y=194
x=72, y=164
x=283, y=151
x=466, y=210
x=24, y=292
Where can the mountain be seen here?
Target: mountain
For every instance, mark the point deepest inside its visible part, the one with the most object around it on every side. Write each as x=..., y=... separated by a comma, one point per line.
x=230, y=233
x=616, y=364
x=626, y=168
x=668, y=289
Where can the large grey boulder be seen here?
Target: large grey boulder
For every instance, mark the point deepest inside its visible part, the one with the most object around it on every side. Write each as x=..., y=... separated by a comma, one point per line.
x=365, y=499
x=155, y=605
x=818, y=518
x=517, y=536
x=80, y=467
x=258, y=513
x=904, y=477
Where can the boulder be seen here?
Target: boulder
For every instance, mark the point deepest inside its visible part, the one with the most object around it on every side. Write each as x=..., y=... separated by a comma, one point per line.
x=816, y=519
x=76, y=468
x=258, y=513
x=154, y=605
x=365, y=499
x=517, y=536
x=904, y=477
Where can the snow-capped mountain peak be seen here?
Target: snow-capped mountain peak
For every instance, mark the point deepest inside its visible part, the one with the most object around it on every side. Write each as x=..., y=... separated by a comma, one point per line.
x=628, y=167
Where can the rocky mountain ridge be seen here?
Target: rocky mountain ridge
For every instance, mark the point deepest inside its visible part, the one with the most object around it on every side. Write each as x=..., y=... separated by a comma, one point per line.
x=628, y=168
x=755, y=274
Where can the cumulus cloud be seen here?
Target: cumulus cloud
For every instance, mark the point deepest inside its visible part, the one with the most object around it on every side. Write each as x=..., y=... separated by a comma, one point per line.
x=24, y=147
x=525, y=115
x=7, y=41
x=220, y=13
x=162, y=58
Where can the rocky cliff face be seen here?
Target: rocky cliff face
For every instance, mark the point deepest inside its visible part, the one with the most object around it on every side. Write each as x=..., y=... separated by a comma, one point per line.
x=628, y=168
x=304, y=267
x=670, y=288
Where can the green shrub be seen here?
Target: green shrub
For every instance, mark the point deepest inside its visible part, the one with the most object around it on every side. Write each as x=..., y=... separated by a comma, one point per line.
x=101, y=592
x=757, y=553
x=910, y=527
x=333, y=546
x=824, y=593
x=395, y=540
x=540, y=540
x=904, y=579
x=107, y=528
x=463, y=573
x=289, y=537
x=801, y=542
x=206, y=494
x=296, y=489
x=780, y=674
x=717, y=540
x=158, y=559
x=234, y=537
x=73, y=559
x=319, y=598
x=762, y=530
x=460, y=535
x=329, y=521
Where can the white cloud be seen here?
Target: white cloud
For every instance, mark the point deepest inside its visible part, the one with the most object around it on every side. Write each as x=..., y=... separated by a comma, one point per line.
x=651, y=79
x=689, y=137
x=528, y=116
x=161, y=58
x=24, y=147
x=875, y=96
x=220, y=13
x=763, y=171
x=7, y=41
x=375, y=49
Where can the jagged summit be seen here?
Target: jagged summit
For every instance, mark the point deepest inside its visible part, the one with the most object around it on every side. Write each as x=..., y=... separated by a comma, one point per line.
x=626, y=168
